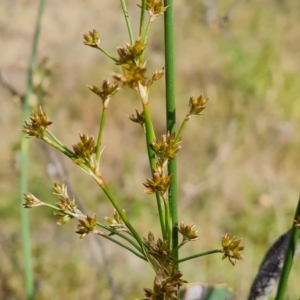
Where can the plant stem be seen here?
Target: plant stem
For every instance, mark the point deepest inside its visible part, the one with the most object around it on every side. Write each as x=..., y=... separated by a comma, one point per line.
x=63, y=148
x=150, y=137
x=288, y=261
x=59, y=147
x=121, y=213
x=143, y=10
x=200, y=254
x=106, y=236
x=171, y=116
x=99, y=139
x=126, y=15
x=29, y=283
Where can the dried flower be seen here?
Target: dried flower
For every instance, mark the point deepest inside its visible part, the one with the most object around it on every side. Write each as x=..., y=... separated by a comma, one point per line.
x=160, y=182
x=166, y=148
x=84, y=151
x=130, y=54
x=86, y=225
x=108, y=90
x=92, y=39
x=138, y=118
x=189, y=232
x=231, y=249
x=116, y=222
x=31, y=201
x=38, y=125
x=132, y=75
x=65, y=204
x=197, y=105
x=155, y=8
x=156, y=76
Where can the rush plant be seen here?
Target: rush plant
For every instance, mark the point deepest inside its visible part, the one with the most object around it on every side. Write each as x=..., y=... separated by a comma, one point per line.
x=161, y=253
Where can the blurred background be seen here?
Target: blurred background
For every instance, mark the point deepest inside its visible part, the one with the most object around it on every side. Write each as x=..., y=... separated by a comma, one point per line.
x=239, y=162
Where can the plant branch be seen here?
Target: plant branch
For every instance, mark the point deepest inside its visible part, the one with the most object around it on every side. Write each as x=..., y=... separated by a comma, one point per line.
x=200, y=254
x=126, y=15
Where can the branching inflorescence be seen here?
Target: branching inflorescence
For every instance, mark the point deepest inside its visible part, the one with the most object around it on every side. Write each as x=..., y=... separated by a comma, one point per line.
x=87, y=153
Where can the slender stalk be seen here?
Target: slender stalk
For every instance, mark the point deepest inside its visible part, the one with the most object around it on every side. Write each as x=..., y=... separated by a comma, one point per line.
x=108, y=54
x=99, y=139
x=289, y=256
x=182, y=126
x=143, y=10
x=126, y=15
x=168, y=223
x=125, y=247
x=59, y=147
x=63, y=148
x=108, y=229
x=150, y=137
x=29, y=284
x=171, y=116
x=199, y=254
x=121, y=213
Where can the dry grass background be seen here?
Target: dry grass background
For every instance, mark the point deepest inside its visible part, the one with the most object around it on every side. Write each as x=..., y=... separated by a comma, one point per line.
x=238, y=167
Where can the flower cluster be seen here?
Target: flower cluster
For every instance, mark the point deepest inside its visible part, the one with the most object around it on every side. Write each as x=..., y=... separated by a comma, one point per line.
x=84, y=151
x=92, y=39
x=116, y=222
x=189, y=232
x=138, y=118
x=160, y=182
x=130, y=54
x=65, y=204
x=38, y=125
x=155, y=8
x=86, y=225
x=197, y=105
x=32, y=201
x=108, y=90
x=168, y=278
x=166, y=148
x=231, y=249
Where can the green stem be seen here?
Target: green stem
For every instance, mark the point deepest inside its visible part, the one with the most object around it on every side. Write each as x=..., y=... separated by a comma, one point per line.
x=126, y=15
x=124, y=246
x=28, y=274
x=289, y=256
x=121, y=213
x=171, y=117
x=100, y=132
x=200, y=254
x=143, y=10
x=108, y=229
x=56, y=143
x=121, y=235
x=179, y=133
x=108, y=54
x=145, y=38
x=150, y=137
x=168, y=223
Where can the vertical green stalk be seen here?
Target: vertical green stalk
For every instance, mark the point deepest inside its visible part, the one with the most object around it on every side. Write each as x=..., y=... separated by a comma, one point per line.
x=143, y=10
x=29, y=284
x=171, y=115
x=126, y=15
x=99, y=139
x=288, y=261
